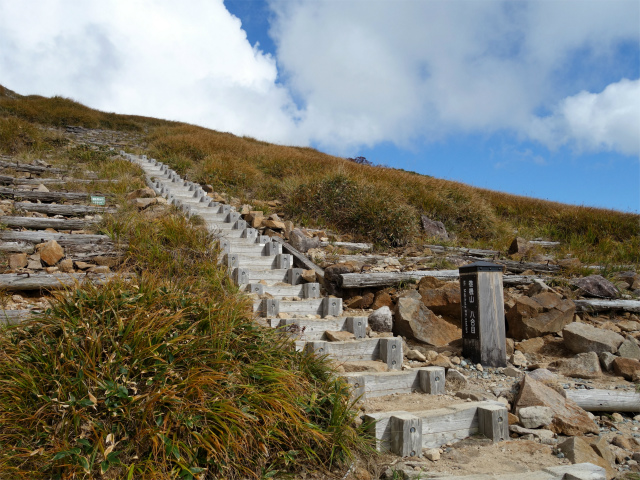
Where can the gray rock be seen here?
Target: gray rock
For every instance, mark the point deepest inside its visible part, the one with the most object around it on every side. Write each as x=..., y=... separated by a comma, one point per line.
x=629, y=349
x=434, y=229
x=415, y=355
x=534, y=417
x=541, y=433
x=519, y=245
x=301, y=242
x=542, y=374
x=606, y=360
x=583, y=338
x=455, y=379
x=596, y=286
x=512, y=372
x=381, y=320
x=583, y=365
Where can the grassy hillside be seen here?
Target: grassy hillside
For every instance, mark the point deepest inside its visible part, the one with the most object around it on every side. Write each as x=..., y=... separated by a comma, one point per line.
x=379, y=204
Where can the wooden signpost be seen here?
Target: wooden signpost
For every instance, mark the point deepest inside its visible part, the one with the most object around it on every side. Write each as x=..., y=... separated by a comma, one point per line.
x=483, y=329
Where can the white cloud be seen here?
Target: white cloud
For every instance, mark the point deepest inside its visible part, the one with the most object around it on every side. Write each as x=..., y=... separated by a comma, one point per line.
x=397, y=71
x=609, y=120
x=187, y=61
x=361, y=72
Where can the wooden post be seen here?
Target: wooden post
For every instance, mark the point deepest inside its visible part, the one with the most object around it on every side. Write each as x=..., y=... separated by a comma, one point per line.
x=493, y=422
x=391, y=352
x=406, y=435
x=310, y=290
x=357, y=383
x=357, y=326
x=294, y=276
x=483, y=330
x=331, y=306
x=432, y=380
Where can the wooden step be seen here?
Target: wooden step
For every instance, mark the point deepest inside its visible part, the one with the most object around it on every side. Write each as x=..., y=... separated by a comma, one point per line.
x=365, y=385
x=41, y=223
x=306, y=329
x=243, y=276
x=13, y=317
x=262, y=262
x=407, y=433
x=305, y=290
x=387, y=349
x=271, y=307
x=55, y=281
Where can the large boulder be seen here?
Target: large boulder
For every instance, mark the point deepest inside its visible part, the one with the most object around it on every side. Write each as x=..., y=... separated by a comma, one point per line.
x=381, y=320
x=582, y=338
x=578, y=450
x=443, y=299
x=414, y=320
x=596, y=286
x=628, y=368
x=568, y=418
x=519, y=245
x=583, y=365
x=434, y=229
x=535, y=417
x=539, y=315
x=629, y=349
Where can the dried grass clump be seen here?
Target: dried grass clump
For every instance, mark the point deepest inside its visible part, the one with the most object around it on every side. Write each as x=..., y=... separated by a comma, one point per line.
x=166, y=376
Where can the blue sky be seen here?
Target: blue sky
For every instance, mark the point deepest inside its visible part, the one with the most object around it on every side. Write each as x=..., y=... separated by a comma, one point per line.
x=537, y=98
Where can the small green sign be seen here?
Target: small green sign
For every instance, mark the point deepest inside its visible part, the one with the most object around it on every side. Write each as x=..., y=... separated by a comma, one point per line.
x=98, y=200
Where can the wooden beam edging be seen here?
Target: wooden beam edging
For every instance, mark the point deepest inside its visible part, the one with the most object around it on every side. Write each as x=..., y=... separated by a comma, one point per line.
x=25, y=167
x=385, y=279
x=15, y=282
x=599, y=400
x=13, y=317
x=301, y=259
x=598, y=305
x=430, y=380
x=405, y=432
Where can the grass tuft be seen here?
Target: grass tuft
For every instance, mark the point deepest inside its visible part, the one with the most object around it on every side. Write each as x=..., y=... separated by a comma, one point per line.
x=166, y=376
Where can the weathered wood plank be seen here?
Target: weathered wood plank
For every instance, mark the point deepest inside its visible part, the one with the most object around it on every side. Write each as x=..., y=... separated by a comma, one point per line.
x=62, y=238
x=348, y=245
x=13, y=317
x=65, y=210
x=599, y=400
x=300, y=260
x=16, y=247
x=8, y=180
x=381, y=279
x=14, y=282
x=472, y=252
x=24, y=167
x=40, y=223
x=46, y=196
x=597, y=305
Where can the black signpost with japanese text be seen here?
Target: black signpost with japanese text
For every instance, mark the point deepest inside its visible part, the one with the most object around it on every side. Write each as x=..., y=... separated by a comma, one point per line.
x=483, y=330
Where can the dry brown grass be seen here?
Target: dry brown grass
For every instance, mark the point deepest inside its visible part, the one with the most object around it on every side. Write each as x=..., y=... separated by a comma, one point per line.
x=370, y=203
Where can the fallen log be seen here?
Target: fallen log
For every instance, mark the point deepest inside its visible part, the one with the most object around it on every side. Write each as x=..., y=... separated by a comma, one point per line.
x=597, y=305
x=55, y=281
x=348, y=245
x=65, y=210
x=46, y=196
x=39, y=223
x=544, y=243
x=472, y=252
x=7, y=180
x=24, y=167
x=605, y=400
x=13, y=317
x=300, y=259
x=386, y=279
x=16, y=247
x=383, y=279
x=62, y=238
